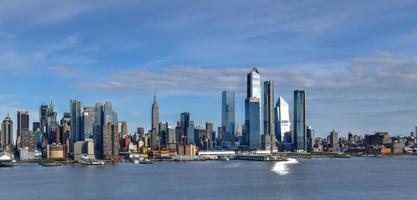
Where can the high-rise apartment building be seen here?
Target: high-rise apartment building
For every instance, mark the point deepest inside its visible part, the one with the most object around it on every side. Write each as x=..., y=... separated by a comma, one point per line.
x=22, y=122
x=6, y=136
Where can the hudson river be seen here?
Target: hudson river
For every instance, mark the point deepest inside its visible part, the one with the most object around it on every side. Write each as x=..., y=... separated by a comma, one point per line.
x=355, y=178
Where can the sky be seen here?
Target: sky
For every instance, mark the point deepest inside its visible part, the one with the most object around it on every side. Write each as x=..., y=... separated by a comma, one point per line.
x=357, y=60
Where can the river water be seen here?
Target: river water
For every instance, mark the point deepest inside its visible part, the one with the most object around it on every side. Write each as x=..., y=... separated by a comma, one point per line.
x=355, y=178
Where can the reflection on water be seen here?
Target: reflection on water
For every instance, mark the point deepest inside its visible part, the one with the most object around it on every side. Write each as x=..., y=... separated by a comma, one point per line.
x=282, y=168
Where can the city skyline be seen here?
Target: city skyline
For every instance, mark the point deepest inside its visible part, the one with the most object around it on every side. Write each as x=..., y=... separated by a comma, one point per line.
x=356, y=83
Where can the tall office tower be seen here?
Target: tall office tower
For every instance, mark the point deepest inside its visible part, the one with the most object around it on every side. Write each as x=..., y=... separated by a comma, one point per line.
x=22, y=121
x=252, y=132
x=228, y=113
x=185, y=125
x=75, y=107
x=123, y=129
x=66, y=118
x=51, y=123
x=98, y=130
x=6, y=137
x=310, y=137
x=269, y=116
x=171, y=135
x=163, y=134
x=88, y=120
x=111, y=142
x=210, y=134
x=36, y=126
x=300, y=120
x=191, y=133
x=283, y=124
x=42, y=117
x=155, y=114
x=108, y=113
x=334, y=141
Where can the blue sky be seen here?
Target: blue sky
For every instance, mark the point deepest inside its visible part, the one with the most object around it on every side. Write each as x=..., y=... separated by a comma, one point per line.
x=356, y=59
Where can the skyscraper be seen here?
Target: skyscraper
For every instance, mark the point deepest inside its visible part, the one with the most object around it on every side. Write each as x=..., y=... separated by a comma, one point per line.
x=334, y=141
x=42, y=117
x=300, y=120
x=75, y=107
x=269, y=116
x=111, y=142
x=155, y=114
x=51, y=123
x=310, y=137
x=187, y=129
x=98, y=130
x=252, y=110
x=6, y=137
x=283, y=124
x=88, y=119
x=123, y=129
x=228, y=112
x=22, y=121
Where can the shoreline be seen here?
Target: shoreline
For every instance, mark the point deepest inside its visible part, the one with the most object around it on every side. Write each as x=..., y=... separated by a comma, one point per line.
x=285, y=156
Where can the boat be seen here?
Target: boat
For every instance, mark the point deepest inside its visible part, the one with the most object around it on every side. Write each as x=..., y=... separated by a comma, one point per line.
x=6, y=159
x=145, y=161
x=50, y=164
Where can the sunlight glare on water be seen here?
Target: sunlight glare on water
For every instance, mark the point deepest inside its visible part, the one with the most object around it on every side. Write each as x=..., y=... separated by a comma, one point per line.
x=282, y=168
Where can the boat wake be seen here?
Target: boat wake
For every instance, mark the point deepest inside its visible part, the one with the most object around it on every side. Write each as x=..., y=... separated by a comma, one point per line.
x=282, y=168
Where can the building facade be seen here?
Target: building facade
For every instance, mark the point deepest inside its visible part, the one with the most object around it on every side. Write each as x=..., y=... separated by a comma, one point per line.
x=252, y=134
x=300, y=120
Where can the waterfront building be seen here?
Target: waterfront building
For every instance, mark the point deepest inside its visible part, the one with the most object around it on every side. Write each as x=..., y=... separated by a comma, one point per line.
x=27, y=140
x=54, y=151
x=51, y=123
x=310, y=137
x=123, y=129
x=75, y=108
x=6, y=135
x=268, y=141
x=22, y=122
x=228, y=115
x=88, y=120
x=334, y=141
x=98, y=130
x=211, y=136
x=111, y=141
x=251, y=137
x=283, y=124
x=300, y=120
x=155, y=114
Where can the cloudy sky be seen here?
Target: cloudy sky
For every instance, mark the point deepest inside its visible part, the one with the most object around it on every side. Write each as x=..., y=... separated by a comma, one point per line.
x=356, y=59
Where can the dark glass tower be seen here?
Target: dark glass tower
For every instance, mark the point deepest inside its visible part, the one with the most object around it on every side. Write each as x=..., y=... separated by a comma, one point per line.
x=300, y=120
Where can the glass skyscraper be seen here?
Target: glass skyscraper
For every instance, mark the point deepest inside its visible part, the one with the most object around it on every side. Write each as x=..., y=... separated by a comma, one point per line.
x=252, y=134
x=228, y=112
x=282, y=122
x=75, y=107
x=300, y=120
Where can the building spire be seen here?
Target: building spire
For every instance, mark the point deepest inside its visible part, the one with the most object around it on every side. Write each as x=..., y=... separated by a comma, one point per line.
x=154, y=97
